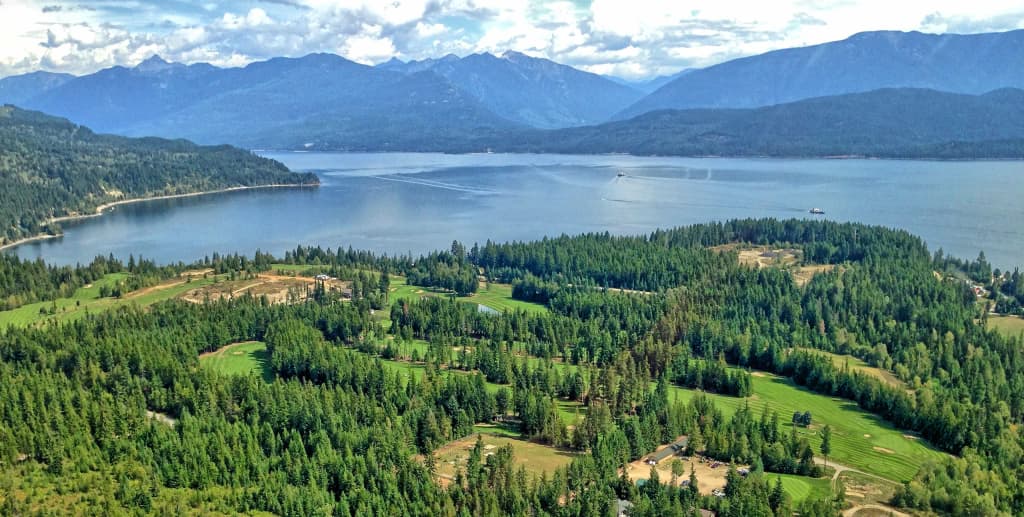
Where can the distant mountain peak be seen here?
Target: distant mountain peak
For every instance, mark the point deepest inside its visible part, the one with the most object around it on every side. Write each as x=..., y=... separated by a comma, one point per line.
x=512, y=54
x=153, y=63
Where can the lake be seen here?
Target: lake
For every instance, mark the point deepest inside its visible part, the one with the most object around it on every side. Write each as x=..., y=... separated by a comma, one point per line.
x=400, y=203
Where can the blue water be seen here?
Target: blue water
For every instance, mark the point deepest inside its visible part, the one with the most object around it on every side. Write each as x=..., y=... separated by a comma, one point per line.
x=413, y=203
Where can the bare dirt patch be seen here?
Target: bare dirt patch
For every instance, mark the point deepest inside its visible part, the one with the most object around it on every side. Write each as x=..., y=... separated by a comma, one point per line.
x=803, y=274
x=761, y=257
x=162, y=418
x=789, y=259
x=277, y=289
x=709, y=477
x=867, y=494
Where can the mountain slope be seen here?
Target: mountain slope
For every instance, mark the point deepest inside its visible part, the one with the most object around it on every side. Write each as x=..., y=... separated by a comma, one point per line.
x=532, y=91
x=17, y=89
x=282, y=102
x=50, y=167
x=326, y=102
x=109, y=99
x=972, y=64
x=902, y=122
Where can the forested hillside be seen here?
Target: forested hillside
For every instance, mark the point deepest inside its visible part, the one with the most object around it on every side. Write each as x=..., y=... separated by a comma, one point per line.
x=50, y=167
x=112, y=413
x=893, y=123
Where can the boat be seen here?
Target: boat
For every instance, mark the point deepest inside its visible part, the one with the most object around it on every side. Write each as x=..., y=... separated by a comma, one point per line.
x=620, y=174
x=816, y=211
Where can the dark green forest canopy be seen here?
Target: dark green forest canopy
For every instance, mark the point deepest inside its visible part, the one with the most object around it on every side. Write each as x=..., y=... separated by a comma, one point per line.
x=336, y=431
x=50, y=167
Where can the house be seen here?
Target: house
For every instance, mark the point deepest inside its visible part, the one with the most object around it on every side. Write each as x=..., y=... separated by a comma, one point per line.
x=673, y=448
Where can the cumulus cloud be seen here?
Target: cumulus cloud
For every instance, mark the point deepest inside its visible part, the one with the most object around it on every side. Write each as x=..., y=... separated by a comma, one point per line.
x=635, y=39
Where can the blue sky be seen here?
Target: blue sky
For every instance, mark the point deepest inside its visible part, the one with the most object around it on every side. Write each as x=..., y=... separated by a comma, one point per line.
x=630, y=38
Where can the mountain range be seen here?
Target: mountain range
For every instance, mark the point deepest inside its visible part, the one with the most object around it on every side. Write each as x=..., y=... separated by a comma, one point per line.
x=530, y=91
x=513, y=101
x=975, y=64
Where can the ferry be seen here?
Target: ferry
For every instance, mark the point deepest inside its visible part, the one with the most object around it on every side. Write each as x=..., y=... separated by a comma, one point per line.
x=816, y=211
x=620, y=174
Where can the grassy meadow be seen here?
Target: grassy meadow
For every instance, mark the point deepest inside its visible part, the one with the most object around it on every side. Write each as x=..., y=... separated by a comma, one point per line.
x=495, y=296
x=87, y=299
x=1010, y=326
x=857, y=364
x=240, y=359
x=859, y=439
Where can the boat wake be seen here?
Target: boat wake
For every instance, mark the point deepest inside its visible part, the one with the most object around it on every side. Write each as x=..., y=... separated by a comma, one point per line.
x=440, y=185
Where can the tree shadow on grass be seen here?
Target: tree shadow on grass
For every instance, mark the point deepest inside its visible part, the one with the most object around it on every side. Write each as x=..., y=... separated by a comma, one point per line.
x=262, y=359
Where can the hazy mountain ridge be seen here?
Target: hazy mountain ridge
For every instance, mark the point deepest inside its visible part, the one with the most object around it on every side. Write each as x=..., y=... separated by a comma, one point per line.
x=532, y=91
x=20, y=88
x=973, y=64
x=282, y=102
x=482, y=101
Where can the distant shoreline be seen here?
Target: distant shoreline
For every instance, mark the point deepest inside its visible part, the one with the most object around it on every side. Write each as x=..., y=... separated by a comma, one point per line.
x=101, y=209
x=851, y=157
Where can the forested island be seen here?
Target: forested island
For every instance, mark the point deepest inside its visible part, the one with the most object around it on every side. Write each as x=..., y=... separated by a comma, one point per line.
x=51, y=168
x=795, y=367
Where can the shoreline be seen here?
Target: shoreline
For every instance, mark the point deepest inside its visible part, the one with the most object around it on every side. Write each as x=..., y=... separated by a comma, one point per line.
x=850, y=157
x=101, y=209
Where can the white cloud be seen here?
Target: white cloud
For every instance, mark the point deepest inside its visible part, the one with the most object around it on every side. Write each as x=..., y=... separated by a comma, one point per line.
x=634, y=38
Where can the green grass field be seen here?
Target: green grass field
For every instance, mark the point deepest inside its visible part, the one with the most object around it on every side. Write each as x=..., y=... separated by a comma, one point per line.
x=240, y=359
x=499, y=298
x=859, y=439
x=290, y=268
x=87, y=299
x=801, y=488
x=495, y=296
x=1011, y=326
x=857, y=364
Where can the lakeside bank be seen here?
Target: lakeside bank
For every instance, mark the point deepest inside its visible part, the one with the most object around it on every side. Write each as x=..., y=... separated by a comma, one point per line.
x=103, y=208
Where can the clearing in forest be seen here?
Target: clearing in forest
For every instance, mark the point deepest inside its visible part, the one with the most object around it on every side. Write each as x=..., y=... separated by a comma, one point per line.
x=710, y=474
x=240, y=359
x=855, y=432
x=277, y=288
x=854, y=363
x=534, y=457
x=87, y=299
x=790, y=259
x=1010, y=326
x=493, y=295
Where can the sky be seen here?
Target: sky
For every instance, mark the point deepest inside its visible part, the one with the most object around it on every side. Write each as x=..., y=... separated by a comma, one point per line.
x=633, y=39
